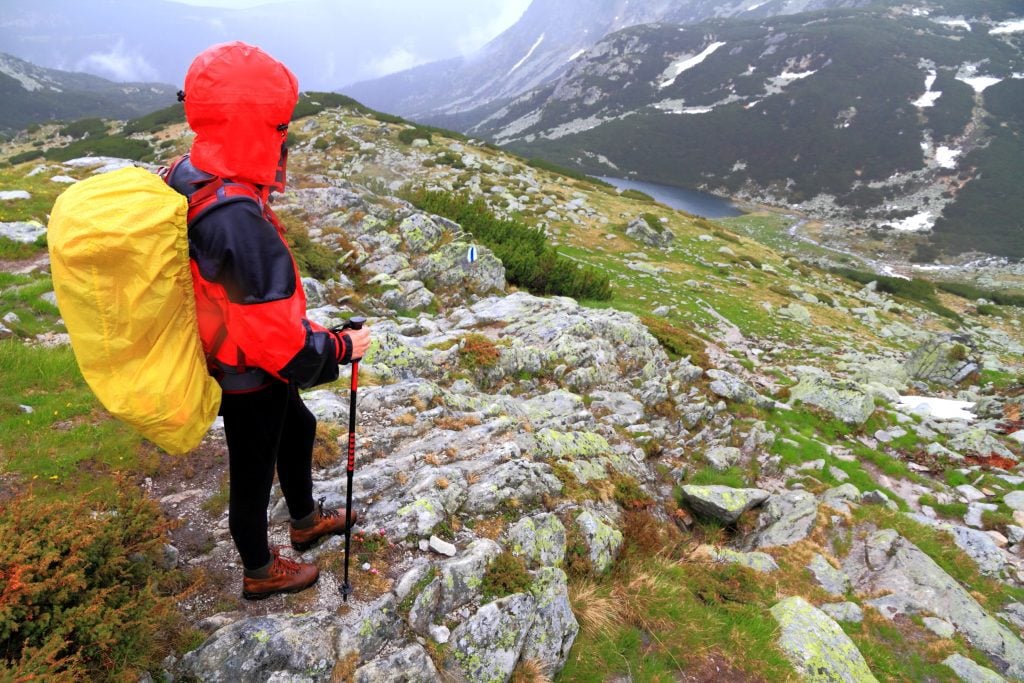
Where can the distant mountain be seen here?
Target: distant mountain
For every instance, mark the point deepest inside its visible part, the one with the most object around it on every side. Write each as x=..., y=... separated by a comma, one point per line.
x=886, y=118
x=542, y=46
x=326, y=43
x=32, y=94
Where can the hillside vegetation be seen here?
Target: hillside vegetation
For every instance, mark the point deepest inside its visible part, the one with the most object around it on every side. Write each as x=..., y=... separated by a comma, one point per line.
x=653, y=480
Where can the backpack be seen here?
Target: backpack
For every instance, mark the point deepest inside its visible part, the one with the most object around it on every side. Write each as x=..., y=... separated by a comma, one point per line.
x=119, y=259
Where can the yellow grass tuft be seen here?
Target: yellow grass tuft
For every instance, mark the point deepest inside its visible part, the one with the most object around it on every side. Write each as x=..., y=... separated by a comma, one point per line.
x=597, y=614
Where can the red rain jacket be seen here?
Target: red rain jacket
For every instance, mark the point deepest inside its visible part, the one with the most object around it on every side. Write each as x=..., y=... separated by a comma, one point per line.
x=249, y=297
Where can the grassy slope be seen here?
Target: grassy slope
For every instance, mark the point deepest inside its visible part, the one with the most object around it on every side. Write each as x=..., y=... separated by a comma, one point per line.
x=667, y=591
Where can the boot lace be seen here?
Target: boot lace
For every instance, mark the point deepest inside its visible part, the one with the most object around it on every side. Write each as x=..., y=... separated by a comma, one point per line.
x=326, y=511
x=282, y=565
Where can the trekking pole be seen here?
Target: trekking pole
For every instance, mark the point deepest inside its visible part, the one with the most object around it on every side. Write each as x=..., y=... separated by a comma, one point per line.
x=352, y=324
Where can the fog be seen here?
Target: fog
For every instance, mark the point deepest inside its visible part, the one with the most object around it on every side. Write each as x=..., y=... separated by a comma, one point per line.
x=328, y=43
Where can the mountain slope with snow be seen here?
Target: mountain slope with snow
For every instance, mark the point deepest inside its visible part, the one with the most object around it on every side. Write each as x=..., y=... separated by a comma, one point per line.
x=32, y=94
x=892, y=120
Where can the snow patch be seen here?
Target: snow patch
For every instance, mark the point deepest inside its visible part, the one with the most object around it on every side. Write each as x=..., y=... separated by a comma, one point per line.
x=930, y=96
x=979, y=83
x=938, y=408
x=676, y=107
x=946, y=156
x=575, y=55
x=1013, y=26
x=959, y=22
x=528, y=55
x=678, y=67
x=921, y=222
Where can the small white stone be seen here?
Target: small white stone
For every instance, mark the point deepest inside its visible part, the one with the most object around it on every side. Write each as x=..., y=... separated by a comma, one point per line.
x=439, y=633
x=441, y=546
x=1000, y=540
x=8, y=195
x=424, y=545
x=366, y=566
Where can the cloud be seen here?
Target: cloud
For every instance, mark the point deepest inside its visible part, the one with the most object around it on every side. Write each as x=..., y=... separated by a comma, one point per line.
x=119, y=64
x=508, y=13
x=398, y=59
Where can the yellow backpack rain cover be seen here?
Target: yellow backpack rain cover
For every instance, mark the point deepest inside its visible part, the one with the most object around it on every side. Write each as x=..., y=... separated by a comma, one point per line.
x=119, y=257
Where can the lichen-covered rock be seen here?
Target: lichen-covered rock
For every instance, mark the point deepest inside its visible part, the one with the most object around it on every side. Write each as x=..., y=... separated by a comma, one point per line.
x=420, y=232
x=944, y=359
x=909, y=582
x=786, y=519
x=848, y=401
x=555, y=627
x=723, y=457
x=253, y=649
x=411, y=664
x=759, y=562
x=831, y=579
x=603, y=540
x=449, y=270
x=844, y=611
x=456, y=583
x=841, y=497
x=732, y=388
x=722, y=503
x=816, y=646
x=969, y=671
x=653, y=235
x=486, y=647
x=556, y=444
x=523, y=480
x=539, y=540
x=391, y=357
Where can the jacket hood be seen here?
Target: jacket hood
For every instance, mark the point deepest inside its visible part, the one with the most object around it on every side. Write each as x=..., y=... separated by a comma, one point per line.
x=238, y=101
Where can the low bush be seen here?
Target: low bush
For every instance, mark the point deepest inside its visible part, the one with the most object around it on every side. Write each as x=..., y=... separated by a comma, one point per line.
x=506, y=574
x=407, y=135
x=93, y=128
x=80, y=589
x=529, y=261
x=157, y=120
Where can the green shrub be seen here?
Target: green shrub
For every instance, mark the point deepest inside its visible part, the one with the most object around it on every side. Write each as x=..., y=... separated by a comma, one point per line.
x=450, y=159
x=106, y=146
x=918, y=290
x=157, y=120
x=407, y=135
x=987, y=309
x=26, y=156
x=506, y=574
x=79, y=589
x=93, y=128
x=637, y=194
x=529, y=261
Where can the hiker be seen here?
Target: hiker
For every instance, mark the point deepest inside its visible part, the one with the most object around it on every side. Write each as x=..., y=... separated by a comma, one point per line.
x=251, y=306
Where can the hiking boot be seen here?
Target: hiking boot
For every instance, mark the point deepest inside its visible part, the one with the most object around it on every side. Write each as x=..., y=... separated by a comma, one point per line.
x=325, y=522
x=283, y=576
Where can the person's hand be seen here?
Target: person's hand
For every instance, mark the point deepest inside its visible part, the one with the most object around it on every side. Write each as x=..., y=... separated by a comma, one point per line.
x=360, y=341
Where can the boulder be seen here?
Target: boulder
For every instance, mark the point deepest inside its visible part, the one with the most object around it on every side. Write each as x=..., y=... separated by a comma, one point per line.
x=969, y=671
x=885, y=564
x=786, y=519
x=848, y=401
x=831, y=579
x=411, y=664
x=722, y=503
x=946, y=359
x=816, y=646
x=487, y=646
x=652, y=234
x=540, y=540
x=554, y=627
x=602, y=539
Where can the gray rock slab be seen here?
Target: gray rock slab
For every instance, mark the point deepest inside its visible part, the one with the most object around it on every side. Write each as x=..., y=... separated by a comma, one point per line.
x=833, y=580
x=816, y=646
x=487, y=646
x=786, y=519
x=971, y=672
x=411, y=664
x=722, y=503
x=884, y=563
x=844, y=611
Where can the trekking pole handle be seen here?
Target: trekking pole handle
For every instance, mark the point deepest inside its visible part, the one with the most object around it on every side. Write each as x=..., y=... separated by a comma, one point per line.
x=355, y=323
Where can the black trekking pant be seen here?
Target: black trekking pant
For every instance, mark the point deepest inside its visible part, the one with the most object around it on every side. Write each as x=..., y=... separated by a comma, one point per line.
x=266, y=428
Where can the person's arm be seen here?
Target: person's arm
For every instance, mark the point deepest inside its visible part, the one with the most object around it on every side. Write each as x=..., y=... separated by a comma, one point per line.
x=235, y=247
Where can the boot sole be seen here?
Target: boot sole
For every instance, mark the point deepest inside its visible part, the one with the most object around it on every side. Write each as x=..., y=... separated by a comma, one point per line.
x=263, y=596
